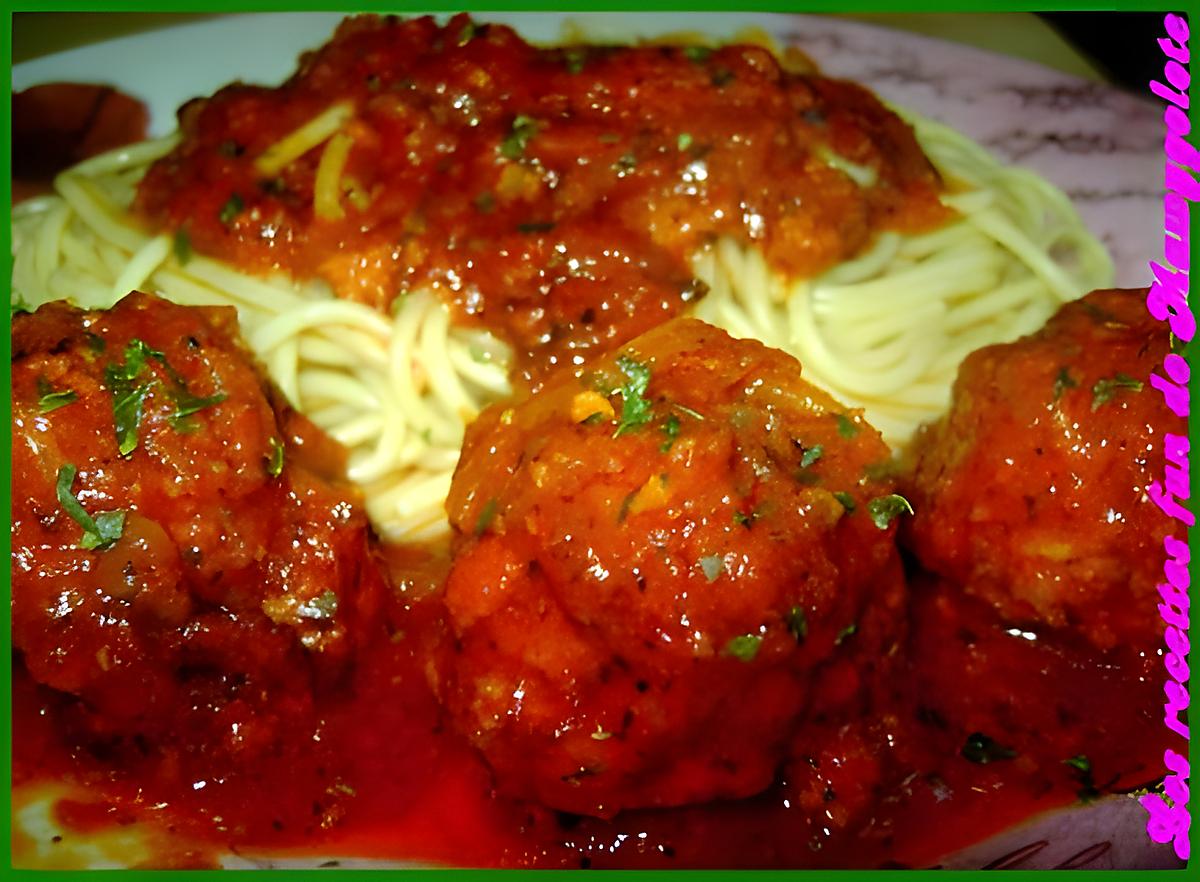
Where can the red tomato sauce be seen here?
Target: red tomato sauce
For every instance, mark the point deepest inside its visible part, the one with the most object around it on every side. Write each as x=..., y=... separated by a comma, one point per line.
x=385, y=779
x=553, y=195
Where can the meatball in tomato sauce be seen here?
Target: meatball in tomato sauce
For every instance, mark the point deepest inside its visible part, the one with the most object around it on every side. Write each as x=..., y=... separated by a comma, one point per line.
x=184, y=562
x=658, y=563
x=1032, y=493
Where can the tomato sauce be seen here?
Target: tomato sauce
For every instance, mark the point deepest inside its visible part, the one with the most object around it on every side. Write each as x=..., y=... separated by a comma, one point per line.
x=385, y=780
x=553, y=195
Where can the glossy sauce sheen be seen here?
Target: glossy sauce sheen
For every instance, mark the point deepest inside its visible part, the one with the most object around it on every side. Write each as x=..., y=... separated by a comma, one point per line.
x=553, y=195
x=365, y=765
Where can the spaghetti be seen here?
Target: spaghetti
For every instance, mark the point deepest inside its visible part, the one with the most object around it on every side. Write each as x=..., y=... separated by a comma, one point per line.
x=884, y=331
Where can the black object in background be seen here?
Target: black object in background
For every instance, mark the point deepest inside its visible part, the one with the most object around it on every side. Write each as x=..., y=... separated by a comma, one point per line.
x=1123, y=45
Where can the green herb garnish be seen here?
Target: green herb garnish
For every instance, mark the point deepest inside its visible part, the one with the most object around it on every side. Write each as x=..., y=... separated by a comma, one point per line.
x=626, y=163
x=275, y=463
x=845, y=634
x=811, y=455
x=1083, y=773
x=128, y=394
x=486, y=515
x=711, y=565
x=574, y=57
x=845, y=426
x=49, y=399
x=635, y=408
x=231, y=209
x=1105, y=389
x=485, y=203
x=797, y=623
x=884, y=508
x=722, y=77
x=187, y=404
x=99, y=532
x=981, y=749
x=746, y=520
x=523, y=128
x=1063, y=382
x=536, y=227
x=671, y=430
x=1080, y=762
x=697, y=54
x=744, y=647
x=684, y=141
x=182, y=246
x=467, y=33
x=845, y=499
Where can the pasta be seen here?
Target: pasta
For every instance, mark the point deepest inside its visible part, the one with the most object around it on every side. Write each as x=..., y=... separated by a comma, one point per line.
x=884, y=331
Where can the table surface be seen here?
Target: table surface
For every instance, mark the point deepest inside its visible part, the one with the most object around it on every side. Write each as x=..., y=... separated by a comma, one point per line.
x=1022, y=35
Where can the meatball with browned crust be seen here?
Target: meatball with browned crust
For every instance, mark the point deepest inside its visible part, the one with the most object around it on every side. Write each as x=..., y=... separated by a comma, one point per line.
x=662, y=566
x=1032, y=492
x=183, y=562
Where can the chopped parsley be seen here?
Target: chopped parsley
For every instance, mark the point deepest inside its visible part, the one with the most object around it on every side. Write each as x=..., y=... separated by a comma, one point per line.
x=845, y=426
x=49, y=399
x=275, y=463
x=1080, y=763
x=487, y=514
x=845, y=634
x=884, y=508
x=845, y=499
x=797, y=623
x=485, y=203
x=981, y=749
x=574, y=57
x=467, y=33
x=810, y=455
x=99, y=532
x=684, y=141
x=1083, y=774
x=697, y=54
x=744, y=647
x=722, y=77
x=635, y=407
x=231, y=209
x=746, y=520
x=187, y=404
x=523, y=128
x=1063, y=382
x=128, y=394
x=671, y=430
x=536, y=227
x=182, y=246
x=711, y=565
x=625, y=164
x=1105, y=389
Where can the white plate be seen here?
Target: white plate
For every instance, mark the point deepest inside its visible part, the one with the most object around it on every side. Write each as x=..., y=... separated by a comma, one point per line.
x=1101, y=145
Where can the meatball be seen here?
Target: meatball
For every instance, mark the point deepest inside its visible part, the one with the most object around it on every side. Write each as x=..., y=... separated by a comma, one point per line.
x=182, y=561
x=1031, y=493
x=657, y=565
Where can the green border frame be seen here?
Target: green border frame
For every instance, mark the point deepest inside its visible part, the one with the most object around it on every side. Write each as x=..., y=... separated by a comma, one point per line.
x=482, y=6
